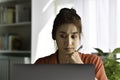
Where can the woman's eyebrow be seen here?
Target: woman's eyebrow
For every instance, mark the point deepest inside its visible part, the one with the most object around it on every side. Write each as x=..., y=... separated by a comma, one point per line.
x=66, y=32
x=62, y=32
x=74, y=32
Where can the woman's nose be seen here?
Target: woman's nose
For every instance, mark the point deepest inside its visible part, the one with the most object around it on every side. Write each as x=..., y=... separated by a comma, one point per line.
x=68, y=41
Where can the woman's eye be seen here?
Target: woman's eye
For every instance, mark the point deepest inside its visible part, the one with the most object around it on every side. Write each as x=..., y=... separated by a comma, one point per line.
x=63, y=36
x=74, y=36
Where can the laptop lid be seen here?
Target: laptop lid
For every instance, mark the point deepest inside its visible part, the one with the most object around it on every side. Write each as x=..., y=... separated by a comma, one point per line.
x=53, y=72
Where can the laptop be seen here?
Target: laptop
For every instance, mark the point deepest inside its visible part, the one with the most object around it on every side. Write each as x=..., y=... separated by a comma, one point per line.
x=53, y=72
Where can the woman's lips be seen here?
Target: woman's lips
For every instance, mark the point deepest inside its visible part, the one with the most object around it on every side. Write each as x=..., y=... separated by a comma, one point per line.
x=68, y=49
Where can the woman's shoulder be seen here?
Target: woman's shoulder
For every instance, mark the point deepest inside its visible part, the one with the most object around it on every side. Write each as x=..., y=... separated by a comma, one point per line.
x=46, y=59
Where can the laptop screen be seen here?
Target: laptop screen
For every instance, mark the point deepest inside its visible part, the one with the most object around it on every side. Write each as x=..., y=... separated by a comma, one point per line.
x=53, y=72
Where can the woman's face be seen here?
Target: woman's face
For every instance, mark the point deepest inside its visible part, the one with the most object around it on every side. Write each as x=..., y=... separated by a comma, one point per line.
x=67, y=38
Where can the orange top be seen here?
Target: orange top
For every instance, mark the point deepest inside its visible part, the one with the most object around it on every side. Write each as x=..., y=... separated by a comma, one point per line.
x=86, y=58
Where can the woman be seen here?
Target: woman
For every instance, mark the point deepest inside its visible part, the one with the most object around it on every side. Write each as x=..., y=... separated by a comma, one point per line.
x=67, y=30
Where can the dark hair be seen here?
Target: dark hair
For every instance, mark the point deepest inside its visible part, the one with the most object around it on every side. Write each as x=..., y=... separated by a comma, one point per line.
x=65, y=16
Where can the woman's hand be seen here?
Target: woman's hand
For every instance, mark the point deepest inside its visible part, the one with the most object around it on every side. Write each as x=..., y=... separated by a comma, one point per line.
x=75, y=58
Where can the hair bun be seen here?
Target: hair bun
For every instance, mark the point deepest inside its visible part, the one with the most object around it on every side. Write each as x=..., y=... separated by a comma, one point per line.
x=73, y=10
x=68, y=10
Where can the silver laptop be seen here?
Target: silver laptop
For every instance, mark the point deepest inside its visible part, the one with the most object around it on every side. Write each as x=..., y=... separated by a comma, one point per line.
x=53, y=72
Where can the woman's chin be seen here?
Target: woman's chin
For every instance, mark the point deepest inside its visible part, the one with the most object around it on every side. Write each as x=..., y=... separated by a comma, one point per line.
x=69, y=52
